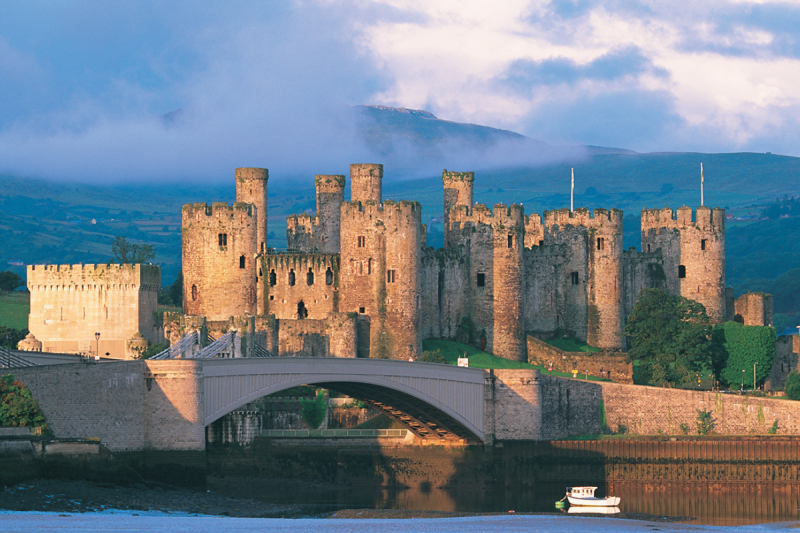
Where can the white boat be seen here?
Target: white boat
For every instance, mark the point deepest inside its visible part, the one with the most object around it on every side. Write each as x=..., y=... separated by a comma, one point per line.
x=586, y=509
x=585, y=496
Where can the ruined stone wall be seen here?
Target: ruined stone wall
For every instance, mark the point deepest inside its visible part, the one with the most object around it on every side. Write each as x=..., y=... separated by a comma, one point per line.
x=366, y=183
x=609, y=365
x=303, y=233
x=136, y=405
x=444, y=281
x=494, y=243
x=457, y=192
x=251, y=188
x=693, y=253
x=219, y=267
x=335, y=336
x=70, y=303
x=787, y=360
x=380, y=274
x=640, y=270
x=754, y=309
x=291, y=285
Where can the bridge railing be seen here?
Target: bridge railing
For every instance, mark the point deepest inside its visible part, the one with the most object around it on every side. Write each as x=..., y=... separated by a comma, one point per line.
x=334, y=433
x=9, y=359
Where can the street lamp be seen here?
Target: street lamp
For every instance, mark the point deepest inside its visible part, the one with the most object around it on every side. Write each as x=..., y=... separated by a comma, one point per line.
x=742, y=389
x=754, y=375
x=97, y=344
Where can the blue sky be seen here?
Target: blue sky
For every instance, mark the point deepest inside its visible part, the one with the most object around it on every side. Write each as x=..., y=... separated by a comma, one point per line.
x=85, y=84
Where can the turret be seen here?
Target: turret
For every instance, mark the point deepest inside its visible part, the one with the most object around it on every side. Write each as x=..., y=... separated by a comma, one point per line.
x=330, y=195
x=457, y=192
x=219, y=271
x=366, y=183
x=251, y=188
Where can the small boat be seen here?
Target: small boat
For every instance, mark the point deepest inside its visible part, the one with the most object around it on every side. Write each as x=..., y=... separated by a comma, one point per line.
x=587, y=509
x=585, y=496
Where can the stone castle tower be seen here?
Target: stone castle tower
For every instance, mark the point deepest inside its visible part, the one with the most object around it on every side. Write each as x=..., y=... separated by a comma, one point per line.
x=693, y=251
x=251, y=188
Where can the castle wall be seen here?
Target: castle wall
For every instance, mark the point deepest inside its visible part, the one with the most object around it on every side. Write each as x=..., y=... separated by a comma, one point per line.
x=444, y=280
x=494, y=243
x=458, y=191
x=546, y=294
x=320, y=233
x=366, y=183
x=693, y=252
x=606, y=365
x=70, y=303
x=316, y=294
x=219, y=267
x=303, y=234
x=380, y=276
x=251, y=188
x=787, y=360
x=754, y=309
x=640, y=270
x=335, y=336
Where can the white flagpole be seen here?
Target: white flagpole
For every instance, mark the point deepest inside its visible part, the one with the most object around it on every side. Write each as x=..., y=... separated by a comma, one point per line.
x=701, y=185
x=572, y=193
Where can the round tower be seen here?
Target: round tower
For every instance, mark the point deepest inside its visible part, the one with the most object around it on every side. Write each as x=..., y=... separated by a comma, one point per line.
x=457, y=191
x=251, y=188
x=701, y=273
x=604, y=324
x=219, y=267
x=330, y=195
x=366, y=183
x=507, y=274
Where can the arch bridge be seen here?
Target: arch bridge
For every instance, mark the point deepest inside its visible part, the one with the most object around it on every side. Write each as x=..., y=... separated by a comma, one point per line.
x=432, y=401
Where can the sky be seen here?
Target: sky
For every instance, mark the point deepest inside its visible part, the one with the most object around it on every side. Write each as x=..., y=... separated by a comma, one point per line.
x=99, y=91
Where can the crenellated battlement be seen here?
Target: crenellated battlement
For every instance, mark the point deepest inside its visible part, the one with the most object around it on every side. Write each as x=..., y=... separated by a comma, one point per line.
x=88, y=277
x=704, y=218
x=329, y=182
x=251, y=174
x=387, y=211
x=451, y=178
x=600, y=218
x=500, y=216
x=300, y=261
x=218, y=210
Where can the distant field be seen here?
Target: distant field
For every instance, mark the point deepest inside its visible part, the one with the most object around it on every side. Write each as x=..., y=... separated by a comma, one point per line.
x=14, y=309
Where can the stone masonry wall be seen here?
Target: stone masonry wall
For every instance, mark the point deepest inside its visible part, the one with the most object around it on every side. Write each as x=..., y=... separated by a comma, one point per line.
x=444, y=287
x=289, y=284
x=251, y=188
x=787, y=360
x=333, y=337
x=366, y=183
x=640, y=270
x=602, y=364
x=134, y=405
x=70, y=303
x=754, y=309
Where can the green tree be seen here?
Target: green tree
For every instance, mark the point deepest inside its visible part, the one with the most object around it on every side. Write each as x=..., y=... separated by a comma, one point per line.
x=17, y=405
x=744, y=347
x=176, y=290
x=9, y=281
x=792, y=387
x=670, y=337
x=128, y=252
x=9, y=337
x=313, y=411
x=433, y=357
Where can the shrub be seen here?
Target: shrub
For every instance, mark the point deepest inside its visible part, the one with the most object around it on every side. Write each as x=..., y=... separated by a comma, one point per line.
x=17, y=405
x=705, y=423
x=743, y=347
x=792, y=387
x=433, y=357
x=774, y=429
x=313, y=411
x=622, y=429
x=684, y=428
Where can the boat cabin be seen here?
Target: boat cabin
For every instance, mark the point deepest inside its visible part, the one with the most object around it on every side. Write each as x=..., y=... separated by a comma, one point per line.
x=581, y=492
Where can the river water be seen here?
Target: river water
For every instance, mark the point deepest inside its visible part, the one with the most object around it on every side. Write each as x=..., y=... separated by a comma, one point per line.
x=107, y=522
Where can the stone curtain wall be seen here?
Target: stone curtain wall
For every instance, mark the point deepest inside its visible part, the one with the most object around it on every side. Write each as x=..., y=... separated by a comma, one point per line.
x=523, y=404
x=754, y=309
x=787, y=359
x=129, y=406
x=601, y=364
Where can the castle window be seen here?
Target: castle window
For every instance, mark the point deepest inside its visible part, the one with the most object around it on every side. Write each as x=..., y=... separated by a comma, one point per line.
x=362, y=310
x=271, y=296
x=510, y=241
x=703, y=244
x=362, y=241
x=223, y=239
x=361, y=267
x=291, y=278
x=481, y=279
x=648, y=247
x=369, y=266
x=601, y=243
x=574, y=276
x=194, y=293
x=241, y=262
x=273, y=279
x=302, y=312
x=310, y=277
x=541, y=243
x=390, y=276
x=328, y=277
x=681, y=271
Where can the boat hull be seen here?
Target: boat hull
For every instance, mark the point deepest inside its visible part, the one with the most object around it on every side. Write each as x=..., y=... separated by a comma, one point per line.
x=611, y=501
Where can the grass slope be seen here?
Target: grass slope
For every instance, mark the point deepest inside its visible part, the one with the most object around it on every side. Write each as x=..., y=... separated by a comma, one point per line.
x=14, y=309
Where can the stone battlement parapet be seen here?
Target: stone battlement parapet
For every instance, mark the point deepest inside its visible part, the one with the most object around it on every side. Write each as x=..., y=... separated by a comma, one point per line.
x=449, y=177
x=217, y=209
x=388, y=210
x=88, y=277
x=251, y=174
x=606, y=218
x=704, y=218
x=501, y=215
x=294, y=260
x=329, y=182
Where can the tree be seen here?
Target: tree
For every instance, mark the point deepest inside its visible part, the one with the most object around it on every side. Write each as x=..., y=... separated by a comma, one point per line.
x=670, y=336
x=313, y=411
x=176, y=290
x=9, y=281
x=9, y=337
x=744, y=347
x=792, y=387
x=127, y=252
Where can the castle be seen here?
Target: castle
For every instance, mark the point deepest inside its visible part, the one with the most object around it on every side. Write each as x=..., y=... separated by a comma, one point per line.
x=359, y=281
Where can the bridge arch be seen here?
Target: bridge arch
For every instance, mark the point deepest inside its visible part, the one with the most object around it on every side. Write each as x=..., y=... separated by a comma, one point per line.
x=430, y=400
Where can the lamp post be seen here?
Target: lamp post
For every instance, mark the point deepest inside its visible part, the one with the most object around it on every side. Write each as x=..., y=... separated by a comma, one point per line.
x=754, y=375
x=742, y=389
x=97, y=344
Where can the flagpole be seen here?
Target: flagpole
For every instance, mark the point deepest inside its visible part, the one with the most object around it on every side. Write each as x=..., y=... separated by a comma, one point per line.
x=572, y=193
x=701, y=185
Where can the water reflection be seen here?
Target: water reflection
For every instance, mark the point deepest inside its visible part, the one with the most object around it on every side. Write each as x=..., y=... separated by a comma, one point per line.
x=722, y=504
